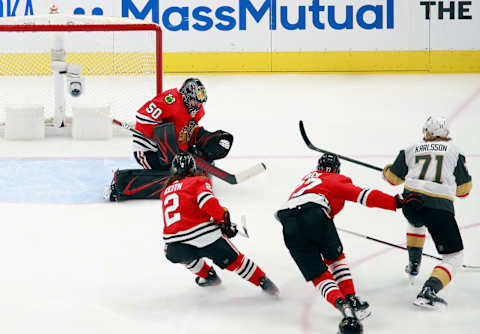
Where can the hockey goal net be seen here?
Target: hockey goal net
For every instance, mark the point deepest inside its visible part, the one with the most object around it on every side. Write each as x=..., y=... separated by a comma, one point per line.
x=120, y=61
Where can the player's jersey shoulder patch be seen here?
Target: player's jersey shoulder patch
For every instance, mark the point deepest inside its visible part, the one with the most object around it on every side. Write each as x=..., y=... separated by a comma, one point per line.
x=169, y=99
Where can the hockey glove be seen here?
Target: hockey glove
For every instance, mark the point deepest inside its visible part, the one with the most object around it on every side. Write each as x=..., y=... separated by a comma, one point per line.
x=213, y=145
x=226, y=226
x=411, y=200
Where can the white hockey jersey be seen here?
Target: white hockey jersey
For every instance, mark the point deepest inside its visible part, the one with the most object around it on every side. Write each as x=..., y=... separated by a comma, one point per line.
x=435, y=169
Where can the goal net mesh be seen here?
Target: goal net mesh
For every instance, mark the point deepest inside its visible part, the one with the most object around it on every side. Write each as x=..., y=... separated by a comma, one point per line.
x=120, y=63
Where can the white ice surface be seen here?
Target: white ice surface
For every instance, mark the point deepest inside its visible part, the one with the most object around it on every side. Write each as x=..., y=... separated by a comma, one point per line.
x=99, y=268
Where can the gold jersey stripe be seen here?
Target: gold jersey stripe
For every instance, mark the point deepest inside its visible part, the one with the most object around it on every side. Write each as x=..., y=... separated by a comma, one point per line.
x=464, y=189
x=391, y=177
x=428, y=193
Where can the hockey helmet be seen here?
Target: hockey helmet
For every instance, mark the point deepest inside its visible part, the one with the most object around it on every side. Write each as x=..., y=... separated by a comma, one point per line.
x=329, y=163
x=350, y=325
x=183, y=164
x=193, y=93
x=436, y=127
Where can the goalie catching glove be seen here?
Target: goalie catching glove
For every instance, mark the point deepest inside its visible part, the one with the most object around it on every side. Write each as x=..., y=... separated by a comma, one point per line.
x=213, y=145
x=411, y=200
x=226, y=226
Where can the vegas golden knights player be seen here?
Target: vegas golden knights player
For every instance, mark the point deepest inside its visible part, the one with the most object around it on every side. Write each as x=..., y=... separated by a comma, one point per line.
x=434, y=168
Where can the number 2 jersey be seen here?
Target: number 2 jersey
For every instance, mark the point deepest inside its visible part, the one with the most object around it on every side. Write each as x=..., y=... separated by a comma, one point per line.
x=331, y=190
x=435, y=169
x=188, y=206
x=165, y=108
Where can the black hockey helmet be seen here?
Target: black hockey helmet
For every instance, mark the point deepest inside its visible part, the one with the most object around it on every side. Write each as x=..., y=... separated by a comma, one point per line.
x=350, y=325
x=193, y=93
x=329, y=163
x=183, y=164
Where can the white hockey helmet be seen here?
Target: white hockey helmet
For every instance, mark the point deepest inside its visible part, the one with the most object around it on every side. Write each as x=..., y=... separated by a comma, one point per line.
x=436, y=126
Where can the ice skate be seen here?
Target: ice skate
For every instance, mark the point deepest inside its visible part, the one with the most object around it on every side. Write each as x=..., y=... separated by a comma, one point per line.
x=427, y=298
x=349, y=323
x=268, y=286
x=412, y=269
x=110, y=192
x=360, y=307
x=211, y=280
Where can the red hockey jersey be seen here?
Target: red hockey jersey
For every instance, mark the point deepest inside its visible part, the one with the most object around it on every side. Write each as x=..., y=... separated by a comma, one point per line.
x=331, y=190
x=188, y=206
x=165, y=108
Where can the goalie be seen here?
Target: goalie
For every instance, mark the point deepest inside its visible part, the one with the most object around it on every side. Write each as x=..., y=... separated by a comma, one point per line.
x=170, y=122
x=178, y=111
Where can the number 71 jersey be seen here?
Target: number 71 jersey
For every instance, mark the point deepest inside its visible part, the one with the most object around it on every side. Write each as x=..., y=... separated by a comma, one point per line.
x=435, y=169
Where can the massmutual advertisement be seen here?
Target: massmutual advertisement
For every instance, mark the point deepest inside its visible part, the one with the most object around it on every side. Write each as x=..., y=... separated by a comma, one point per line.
x=299, y=35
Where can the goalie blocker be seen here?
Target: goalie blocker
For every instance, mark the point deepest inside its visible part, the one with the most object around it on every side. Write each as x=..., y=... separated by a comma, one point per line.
x=147, y=183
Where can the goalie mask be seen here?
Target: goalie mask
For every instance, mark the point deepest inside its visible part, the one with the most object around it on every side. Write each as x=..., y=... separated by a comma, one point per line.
x=194, y=94
x=435, y=127
x=183, y=164
x=329, y=163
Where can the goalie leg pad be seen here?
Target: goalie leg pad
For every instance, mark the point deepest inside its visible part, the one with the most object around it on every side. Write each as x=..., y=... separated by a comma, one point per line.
x=213, y=145
x=166, y=139
x=138, y=184
x=151, y=160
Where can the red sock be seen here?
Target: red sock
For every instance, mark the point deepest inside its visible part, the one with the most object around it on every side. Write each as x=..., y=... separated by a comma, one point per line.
x=198, y=267
x=341, y=274
x=328, y=288
x=246, y=269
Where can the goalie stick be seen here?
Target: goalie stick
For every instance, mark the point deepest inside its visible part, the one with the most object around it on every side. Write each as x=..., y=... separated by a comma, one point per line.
x=398, y=246
x=207, y=167
x=313, y=147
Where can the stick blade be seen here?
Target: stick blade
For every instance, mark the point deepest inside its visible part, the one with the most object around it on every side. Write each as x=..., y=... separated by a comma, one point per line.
x=243, y=222
x=250, y=172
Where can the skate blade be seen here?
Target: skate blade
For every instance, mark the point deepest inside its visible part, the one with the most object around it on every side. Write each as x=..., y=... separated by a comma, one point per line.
x=412, y=279
x=425, y=304
x=362, y=314
x=106, y=192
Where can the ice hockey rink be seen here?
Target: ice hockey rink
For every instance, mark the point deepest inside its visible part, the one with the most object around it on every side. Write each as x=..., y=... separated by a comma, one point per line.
x=72, y=262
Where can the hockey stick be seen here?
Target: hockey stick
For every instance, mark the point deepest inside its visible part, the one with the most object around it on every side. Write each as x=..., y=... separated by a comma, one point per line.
x=398, y=246
x=202, y=164
x=243, y=222
x=313, y=147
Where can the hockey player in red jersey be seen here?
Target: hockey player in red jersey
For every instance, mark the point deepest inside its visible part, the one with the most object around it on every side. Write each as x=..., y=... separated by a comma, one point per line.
x=169, y=123
x=312, y=239
x=182, y=109
x=196, y=227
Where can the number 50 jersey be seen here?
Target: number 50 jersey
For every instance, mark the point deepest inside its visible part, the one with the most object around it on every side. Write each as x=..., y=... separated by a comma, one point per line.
x=435, y=169
x=164, y=108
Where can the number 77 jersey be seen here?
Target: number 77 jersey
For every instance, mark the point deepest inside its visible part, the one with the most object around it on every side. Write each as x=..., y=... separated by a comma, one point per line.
x=331, y=190
x=435, y=169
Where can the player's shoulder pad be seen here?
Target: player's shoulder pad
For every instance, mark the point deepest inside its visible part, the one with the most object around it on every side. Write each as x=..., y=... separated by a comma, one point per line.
x=341, y=178
x=168, y=97
x=202, y=180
